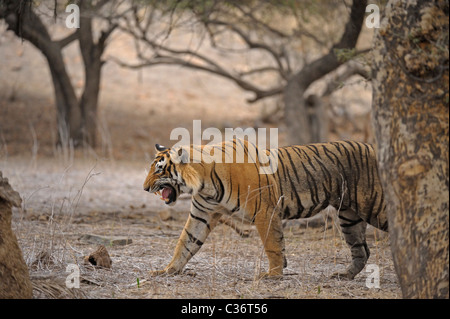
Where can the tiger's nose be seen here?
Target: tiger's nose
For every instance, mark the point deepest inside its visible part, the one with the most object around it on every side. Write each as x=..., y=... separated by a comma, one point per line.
x=146, y=188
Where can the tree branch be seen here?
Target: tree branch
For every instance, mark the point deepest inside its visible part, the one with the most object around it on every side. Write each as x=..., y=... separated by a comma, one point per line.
x=349, y=69
x=67, y=40
x=27, y=25
x=250, y=43
x=105, y=34
x=327, y=63
x=170, y=60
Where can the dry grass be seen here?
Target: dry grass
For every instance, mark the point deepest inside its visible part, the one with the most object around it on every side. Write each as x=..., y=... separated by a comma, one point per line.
x=61, y=206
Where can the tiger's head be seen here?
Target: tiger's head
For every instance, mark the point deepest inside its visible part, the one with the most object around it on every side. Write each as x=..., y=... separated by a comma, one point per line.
x=171, y=174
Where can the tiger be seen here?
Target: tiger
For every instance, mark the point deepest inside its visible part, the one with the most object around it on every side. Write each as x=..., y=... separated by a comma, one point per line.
x=306, y=180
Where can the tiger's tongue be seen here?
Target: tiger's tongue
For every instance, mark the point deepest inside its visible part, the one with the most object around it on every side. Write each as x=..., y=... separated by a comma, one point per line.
x=166, y=192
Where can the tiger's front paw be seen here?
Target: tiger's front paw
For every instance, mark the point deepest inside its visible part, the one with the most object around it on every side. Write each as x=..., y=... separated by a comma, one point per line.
x=270, y=275
x=156, y=273
x=343, y=275
x=164, y=272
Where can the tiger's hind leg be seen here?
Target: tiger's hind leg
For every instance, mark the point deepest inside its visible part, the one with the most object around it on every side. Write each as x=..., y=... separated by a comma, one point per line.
x=354, y=230
x=270, y=230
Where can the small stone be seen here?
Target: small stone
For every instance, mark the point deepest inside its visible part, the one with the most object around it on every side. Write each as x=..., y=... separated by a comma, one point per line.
x=105, y=240
x=99, y=258
x=166, y=214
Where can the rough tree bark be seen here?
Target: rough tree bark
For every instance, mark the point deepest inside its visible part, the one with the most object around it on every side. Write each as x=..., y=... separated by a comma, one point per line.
x=14, y=278
x=411, y=113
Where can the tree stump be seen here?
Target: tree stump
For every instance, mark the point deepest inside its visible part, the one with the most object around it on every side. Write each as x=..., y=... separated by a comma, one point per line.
x=14, y=277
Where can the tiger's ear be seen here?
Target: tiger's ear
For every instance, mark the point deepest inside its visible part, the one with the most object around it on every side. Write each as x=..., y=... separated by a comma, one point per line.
x=179, y=155
x=160, y=148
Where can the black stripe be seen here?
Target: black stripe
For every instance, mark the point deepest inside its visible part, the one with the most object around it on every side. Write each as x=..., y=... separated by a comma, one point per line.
x=313, y=148
x=208, y=200
x=242, y=144
x=205, y=209
x=279, y=182
x=237, y=207
x=281, y=161
x=326, y=151
x=358, y=168
x=326, y=174
x=230, y=191
x=193, y=239
x=175, y=171
x=351, y=144
x=309, y=159
x=298, y=151
x=293, y=188
x=218, y=185
x=198, y=208
x=385, y=226
x=339, y=165
x=355, y=183
x=353, y=223
x=286, y=213
x=295, y=193
x=293, y=166
x=254, y=214
x=370, y=169
x=201, y=220
x=258, y=204
x=345, y=218
x=371, y=207
x=310, y=211
x=337, y=145
x=360, y=155
x=381, y=205
x=185, y=247
x=358, y=245
x=310, y=179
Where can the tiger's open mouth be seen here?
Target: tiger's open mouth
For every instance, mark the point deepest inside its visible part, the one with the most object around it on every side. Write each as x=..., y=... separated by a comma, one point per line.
x=168, y=193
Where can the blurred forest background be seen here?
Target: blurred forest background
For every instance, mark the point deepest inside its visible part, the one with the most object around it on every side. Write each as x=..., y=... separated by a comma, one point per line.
x=155, y=66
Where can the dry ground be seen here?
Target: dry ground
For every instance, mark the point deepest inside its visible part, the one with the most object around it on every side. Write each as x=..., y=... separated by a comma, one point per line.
x=67, y=194
x=62, y=203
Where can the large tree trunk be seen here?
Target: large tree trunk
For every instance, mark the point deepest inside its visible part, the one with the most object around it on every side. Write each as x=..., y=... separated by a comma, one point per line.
x=296, y=111
x=410, y=104
x=69, y=117
x=91, y=53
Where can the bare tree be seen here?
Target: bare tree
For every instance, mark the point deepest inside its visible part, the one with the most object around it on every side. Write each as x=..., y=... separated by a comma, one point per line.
x=76, y=116
x=410, y=104
x=277, y=31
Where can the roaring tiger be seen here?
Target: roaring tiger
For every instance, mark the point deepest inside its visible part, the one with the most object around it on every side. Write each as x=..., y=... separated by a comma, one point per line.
x=307, y=180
